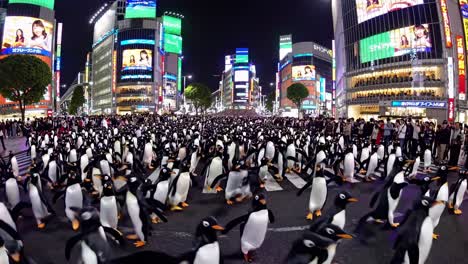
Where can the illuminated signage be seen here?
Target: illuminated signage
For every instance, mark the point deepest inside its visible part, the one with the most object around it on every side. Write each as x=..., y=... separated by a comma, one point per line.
x=227, y=63
x=140, y=9
x=114, y=71
x=58, y=60
x=173, y=43
x=464, y=12
x=323, y=51
x=303, y=73
x=137, y=59
x=137, y=41
x=451, y=88
x=420, y=104
x=451, y=110
x=172, y=25
x=333, y=78
x=396, y=43
x=285, y=46
x=45, y=3
x=242, y=55
x=136, y=77
x=461, y=69
x=367, y=9
x=241, y=76
x=445, y=17
x=322, y=89
x=179, y=75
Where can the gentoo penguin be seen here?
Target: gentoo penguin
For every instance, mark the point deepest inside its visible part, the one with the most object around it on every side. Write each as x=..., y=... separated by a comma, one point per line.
x=337, y=214
x=138, y=208
x=13, y=164
x=390, y=162
x=414, y=240
x=73, y=198
x=206, y=249
x=253, y=226
x=458, y=190
x=40, y=206
x=10, y=249
x=180, y=186
x=109, y=211
x=213, y=169
x=427, y=159
x=441, y=196
x=148, y=155
x=318, y=193
x=413, y=167
x=349, y=165
x=93, y=238
x=310, y=248
x=387, y=201
x=11, y=186
x=332, y=232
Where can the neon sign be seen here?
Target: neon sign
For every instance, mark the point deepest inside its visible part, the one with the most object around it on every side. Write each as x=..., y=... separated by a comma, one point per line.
x=461, y=69
x=446, y=20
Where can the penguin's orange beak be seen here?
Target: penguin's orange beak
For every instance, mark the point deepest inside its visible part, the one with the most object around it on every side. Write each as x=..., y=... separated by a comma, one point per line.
x=263, y=201
x=453, y=168
x=16, y=257
x=218, y=227
x=353, y=200
x=345, y=236
x=435, y=178
x=437, y=202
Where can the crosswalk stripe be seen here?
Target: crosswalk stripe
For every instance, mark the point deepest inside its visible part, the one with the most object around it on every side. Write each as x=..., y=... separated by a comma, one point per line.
x=271, y=185
x=295, y=180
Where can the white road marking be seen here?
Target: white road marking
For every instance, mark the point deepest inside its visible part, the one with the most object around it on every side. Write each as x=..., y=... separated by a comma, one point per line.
x=295, y=180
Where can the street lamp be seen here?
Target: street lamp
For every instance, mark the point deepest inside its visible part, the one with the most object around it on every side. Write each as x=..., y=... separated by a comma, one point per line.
x=185, y=79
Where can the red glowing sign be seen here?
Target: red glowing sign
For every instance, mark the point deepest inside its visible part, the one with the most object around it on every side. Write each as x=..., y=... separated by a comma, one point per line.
x=451, y=109
x=461, y=69
x=446, y=20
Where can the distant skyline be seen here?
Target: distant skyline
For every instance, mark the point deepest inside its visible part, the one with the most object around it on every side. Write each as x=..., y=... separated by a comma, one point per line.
x=210, y=32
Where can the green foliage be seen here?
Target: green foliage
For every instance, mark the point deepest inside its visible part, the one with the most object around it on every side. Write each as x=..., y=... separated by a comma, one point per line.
x=269, y=101
x=199, y=94
x=297, y=92
x=24, y=79
x=77, y=100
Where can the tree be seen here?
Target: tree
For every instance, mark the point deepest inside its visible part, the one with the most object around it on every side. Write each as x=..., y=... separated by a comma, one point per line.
x=200, y=96
x=24, y=79
x=297, y=92
x=77, y=100
x=269, y=101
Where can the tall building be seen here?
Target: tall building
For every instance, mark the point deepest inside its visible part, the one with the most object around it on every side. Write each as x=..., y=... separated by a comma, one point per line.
x=310, y=64
x=395, y=60
x=19, y=38
x=239, y=85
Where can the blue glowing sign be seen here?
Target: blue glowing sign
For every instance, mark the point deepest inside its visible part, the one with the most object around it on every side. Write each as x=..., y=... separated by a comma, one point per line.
x=137, y=76
x=420, y=104
x=137, y=41
x=322, y=89
x=28, y=51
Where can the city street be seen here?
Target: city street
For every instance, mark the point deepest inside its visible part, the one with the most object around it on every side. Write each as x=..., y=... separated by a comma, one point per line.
x=175, y=237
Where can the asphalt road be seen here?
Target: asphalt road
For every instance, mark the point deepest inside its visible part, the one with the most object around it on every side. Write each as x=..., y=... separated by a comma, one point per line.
x=175, y=237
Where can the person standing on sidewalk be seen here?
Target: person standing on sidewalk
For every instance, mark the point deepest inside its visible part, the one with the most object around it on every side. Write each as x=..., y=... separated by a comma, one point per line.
x=401, y=133
x=444, y=141
x=1, y=137
x=388, y=132
x=456, y=139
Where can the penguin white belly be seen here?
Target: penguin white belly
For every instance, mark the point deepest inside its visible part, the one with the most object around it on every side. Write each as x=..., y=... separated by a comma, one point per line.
x=318, y=194
x=436, y=211
x=117, y=147
x=339, y=219
x=53, y=171
x=6, y=217
x=39, y=210
x=134, y=212
x=331, y=253
x=263, y=173
x=372, y=165
x=193, y=162
x=182, y=189
x=364, y=154
x=460, y=194
x=254, y=231
x=233, y=185
x=4, y=256
x=291, y=152
x=321, y=157
x=208, y=254
x=270, y=150
x=105, y=168
x=390, y=163
x=381, y=152
x=88, y=256
x=84, y=161
x=425, y=240
x=216, y=169
x=392, y=205
x=355, y=151
x=427, y=158
x=261, y=154
x=349, y=166
x=73, y=198
x=97, y=182
x=72, y=157
x=89, y=152
x=108, y=211
x=398, y=152
x=416, y=164
x=148, y=154
x=12, y=192
x=161, y=192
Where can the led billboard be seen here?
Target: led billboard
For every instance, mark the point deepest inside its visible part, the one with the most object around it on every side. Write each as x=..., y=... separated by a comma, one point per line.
x=464, y=12
x=395, y=43
x=27, y=35
x=172, y=25
x=367, y=9
x=173, y=43
x=140, y=9
x=242, y=55
x=137, y=59
x=285, y=46
x=303, y=73
x=241, y=76
x=45, y=3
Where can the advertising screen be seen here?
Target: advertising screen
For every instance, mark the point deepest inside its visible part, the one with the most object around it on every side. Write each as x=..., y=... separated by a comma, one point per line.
x=241, y=76
x=464, y=11
x=303, y=73
x=367, y=9
x=172, y=25
x=45, y=3
x=104, y=26
x=137, y=59
x=173, y=43
x=27, y=35
x=395, y=43
x=140, y=9
x=285, y=46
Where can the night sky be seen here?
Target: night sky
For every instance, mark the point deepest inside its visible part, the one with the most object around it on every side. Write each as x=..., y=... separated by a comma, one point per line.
x=211, y=30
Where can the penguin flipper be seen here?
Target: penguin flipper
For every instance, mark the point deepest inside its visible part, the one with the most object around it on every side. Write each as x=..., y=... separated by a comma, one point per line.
x=235, y=222
x=57, y=195
x=217, y=179
x=307, y=185
x=271, y=216
x=17, y=209
x=70, y=244
x=374, y=199
x=9, y=230
x=115, y=234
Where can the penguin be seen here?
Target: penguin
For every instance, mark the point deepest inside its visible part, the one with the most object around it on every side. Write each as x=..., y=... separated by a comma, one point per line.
x=213, y=169
x=442, y=196
x=180, y=187
x=13, y=164
x=109, y=211
x=253, y=226
x=414, y=240
x=40, y=206
x=11, y=186
x=310, y=248
x=10, y=249
x=458, y=190
x=349, y=165
x=318, y=193
x=427, y=160
x=148, y=155
x=337, y=214
x=332, y=232
x=73, y=198
x=206, y=245
x=412, y=169
x=93, y=238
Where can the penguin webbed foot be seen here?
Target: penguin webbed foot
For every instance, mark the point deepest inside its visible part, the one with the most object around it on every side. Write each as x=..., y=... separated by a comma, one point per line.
x=139, y=244
x=435, y=236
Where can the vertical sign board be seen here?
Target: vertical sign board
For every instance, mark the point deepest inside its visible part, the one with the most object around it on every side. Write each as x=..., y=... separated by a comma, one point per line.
x=446, y=21
x=464, y=12
x=333, y=78
x=285, y=46
x=114, y=71
x=58, y=60
x=451, y=90
x=322, y=89
x=461, y=69
x=179, y=75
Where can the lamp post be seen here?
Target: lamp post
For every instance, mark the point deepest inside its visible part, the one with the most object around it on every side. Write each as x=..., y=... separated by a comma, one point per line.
x=185, y=80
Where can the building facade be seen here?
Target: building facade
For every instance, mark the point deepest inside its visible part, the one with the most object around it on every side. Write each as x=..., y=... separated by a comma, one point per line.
x=310, y=64
x=398, y=61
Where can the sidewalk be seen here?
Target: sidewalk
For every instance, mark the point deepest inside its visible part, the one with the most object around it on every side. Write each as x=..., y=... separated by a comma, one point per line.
x=15, y=144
